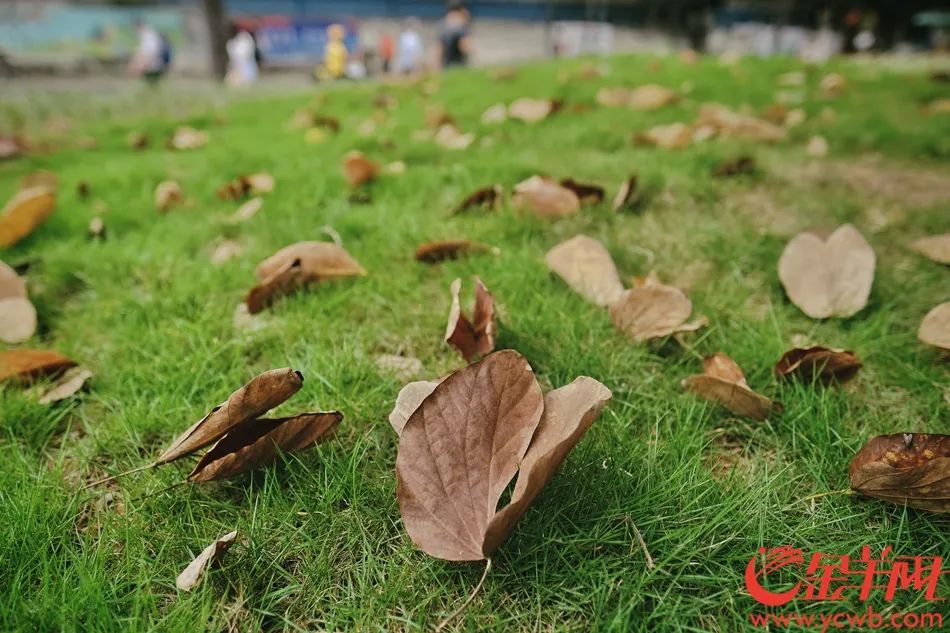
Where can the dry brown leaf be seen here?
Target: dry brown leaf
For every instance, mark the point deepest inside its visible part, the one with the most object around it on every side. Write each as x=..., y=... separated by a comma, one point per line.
x=24, y=212
x=408, y=400
x=587, y=193
x=26, y=365
x=476, y=337
x=256, y=442
x=532, y=110
x=17, y=320
x=544, y=198
x=67, y=385
x=461, y=447
x=494, y=114
x=723, y=382
x=440, y=251
x=615, y=97
x=137, y=140
x=817, y=147
x=935, y=328
x=653, y=311
x=825, y=365
x=832, y=84
x=12, y=286
x=827, y=278
x=670, y=136
x=488, y=198
x=188, y=138
x=628, y=196
x=449, y=136
x=168, y=194
x=41, y=178
x=97, y=228
x=297, y=265
x=735, y=167
x=190, y=576
x=358, y=169
x=264, y=392
x=248, y=210
x=729, y=123
x=934, y=247
x=911, y=469
x=225, y=250
x=400, y=367
x=586, y=266
x=247, y=185
x=650, y=97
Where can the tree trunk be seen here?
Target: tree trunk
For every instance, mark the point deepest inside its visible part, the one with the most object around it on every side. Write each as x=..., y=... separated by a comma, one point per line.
x=214, y=12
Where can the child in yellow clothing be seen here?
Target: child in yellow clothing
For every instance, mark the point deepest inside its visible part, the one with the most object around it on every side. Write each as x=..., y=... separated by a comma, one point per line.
x=334, y=56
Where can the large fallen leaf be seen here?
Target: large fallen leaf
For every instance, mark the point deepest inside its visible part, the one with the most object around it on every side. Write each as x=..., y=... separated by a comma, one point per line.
x=67, y=385
x=358, y=169
x=911, y=469
x=188, y=138
x=935, y=247
x=827, y=278
x=264, y=392
x=650, y=97
x=442, y=250
x=190, y=576
x=461, y=447
x=476, y=337
x=17, y=320
x=25, y=365
x=586, y=266
x=297, y=265
x=24, y=212
x=669, y=136
x=544, y=198
x=450, y=137
x=168, y=194
x=587, y=193
x=256, y=442
x=485, y=198
x=628, y=196
x=825, y=365
x=532, y=110
x=653, y=310
x=723, y=382
x=935, y=328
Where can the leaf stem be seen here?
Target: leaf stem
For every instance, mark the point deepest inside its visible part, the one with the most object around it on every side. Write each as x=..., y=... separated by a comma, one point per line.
x=106, y=480
x=444, y=623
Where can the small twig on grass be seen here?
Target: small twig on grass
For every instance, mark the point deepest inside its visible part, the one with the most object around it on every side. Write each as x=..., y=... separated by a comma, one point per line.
x=326, y=229
x=843, y=491
x=110, y=478
x=643, y=544
x=444, y=623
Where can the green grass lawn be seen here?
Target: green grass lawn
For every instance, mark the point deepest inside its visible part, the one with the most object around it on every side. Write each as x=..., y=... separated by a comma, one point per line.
x=322, y=546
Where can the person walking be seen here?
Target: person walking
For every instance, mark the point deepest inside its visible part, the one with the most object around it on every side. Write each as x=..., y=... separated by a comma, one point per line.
x=242, y=58
x=152, y=56
x=455, y=39
x=411, y=51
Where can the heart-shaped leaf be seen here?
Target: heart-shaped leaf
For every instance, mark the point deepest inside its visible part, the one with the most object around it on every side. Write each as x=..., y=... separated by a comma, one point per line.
x=911, y=469
x=473, y=338
x=586, y=266
x=532, y=110
x=723, y=382
x=826, y=278
x=827, y=366
x=653, y=310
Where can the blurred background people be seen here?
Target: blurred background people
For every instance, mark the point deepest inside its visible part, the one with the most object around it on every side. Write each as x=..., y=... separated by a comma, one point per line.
x=152, y=56
x=455, y=40
x=334, y=55
x=387, y=50
x=411, y=50
x=242, y=58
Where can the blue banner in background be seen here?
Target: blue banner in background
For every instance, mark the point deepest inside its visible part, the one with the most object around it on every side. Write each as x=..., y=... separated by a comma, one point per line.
x=300, y=40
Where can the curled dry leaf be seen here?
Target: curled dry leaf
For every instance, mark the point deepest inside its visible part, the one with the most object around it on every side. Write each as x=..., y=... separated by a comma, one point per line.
x=188, y=138
x=476, y=337
x=264, y=392
x=225, y=250
x=494, y=114
x=488, y=198
x=358, y=169
x=137, y=140
x=440, y=251
x=825, y=365
x=650, y=97
x=911, y=469
x=97, y=228
x=247, y=210
x=729, y=123
x=532, y=110
x=545, y=198
x=935, y=328
x=832, y=84
x=735, y=167
x=827, y=278
x=256, y=442
x=461, y=447
x=723, y=382
x=586, y=266
x=297, y=265
x=408, y=400
x=587, y=193
x=190, y=576
x=935, y=247
x=614, y=97
x=247, y=185
x=628, y=196
x=26, y=365
x=450, y=137
x=67, y=385
x=168, y=194
x=653, y=310
x=17, y=320
x=12, y=286
x=24, y=212
x=670, y=136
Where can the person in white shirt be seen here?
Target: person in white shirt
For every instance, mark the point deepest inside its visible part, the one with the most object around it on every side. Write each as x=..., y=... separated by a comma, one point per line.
x=242, y=59
x=149, y=59
x=410, y=54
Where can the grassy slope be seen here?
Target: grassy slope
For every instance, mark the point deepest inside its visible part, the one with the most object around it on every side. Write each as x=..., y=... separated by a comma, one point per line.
x=324, y=548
